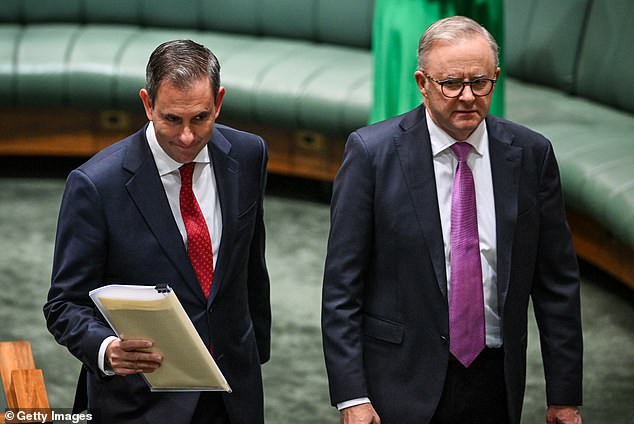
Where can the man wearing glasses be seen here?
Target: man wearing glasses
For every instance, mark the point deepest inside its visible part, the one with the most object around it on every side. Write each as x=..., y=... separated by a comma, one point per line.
x=444, y=223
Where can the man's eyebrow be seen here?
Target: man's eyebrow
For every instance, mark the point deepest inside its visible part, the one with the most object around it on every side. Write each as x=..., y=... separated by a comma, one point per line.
x=451, y=76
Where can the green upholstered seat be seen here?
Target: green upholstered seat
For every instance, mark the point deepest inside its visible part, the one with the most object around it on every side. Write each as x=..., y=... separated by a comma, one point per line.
x=543, y=38
x=301, y=64
x=585, y=48
x=40, y=64
x=92, y=65
x=606, y=58
x=9, y=35
x=594, y=145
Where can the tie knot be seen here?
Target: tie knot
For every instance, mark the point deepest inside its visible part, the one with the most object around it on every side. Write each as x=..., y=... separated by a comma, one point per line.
x=461, y=150
x=187, y=171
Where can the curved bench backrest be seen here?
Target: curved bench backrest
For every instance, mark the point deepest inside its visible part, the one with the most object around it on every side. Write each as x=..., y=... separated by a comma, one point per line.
x=341, y=22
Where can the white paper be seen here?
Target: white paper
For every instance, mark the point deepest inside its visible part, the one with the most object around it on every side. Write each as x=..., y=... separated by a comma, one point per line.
x=142, y=312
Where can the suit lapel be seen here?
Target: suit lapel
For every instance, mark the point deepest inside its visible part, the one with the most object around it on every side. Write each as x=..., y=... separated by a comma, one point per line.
x=414, y=150
x=227, y=172
x=506, y=161
x=146, y=190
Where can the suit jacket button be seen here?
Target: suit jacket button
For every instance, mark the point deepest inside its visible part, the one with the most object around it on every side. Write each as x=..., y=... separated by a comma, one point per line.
x=444, y=339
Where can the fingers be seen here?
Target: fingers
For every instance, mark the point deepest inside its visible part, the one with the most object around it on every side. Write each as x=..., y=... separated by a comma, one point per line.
x=563, y=415
x=127, y=357
x=360, y=414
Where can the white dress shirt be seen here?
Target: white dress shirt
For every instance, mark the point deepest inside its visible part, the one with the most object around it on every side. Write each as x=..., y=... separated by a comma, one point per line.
x=204, y=186
x=445, y=164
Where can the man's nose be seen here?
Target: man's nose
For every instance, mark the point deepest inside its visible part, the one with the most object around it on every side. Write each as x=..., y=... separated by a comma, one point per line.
x=467, y=94
x=186, y=135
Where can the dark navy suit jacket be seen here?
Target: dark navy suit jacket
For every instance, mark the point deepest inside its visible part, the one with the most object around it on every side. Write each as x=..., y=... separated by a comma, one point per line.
x=385, y=311
x=116, y=226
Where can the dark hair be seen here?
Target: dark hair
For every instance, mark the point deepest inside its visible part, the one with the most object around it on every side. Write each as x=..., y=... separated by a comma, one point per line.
x=181, y=62
x=452, y=29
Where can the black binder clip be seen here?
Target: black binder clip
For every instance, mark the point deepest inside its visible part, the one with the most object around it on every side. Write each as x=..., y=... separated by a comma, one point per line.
x=162, y=288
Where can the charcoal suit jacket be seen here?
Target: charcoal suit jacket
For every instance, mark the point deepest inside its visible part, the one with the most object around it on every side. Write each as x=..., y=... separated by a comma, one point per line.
x=116, y=226
x=385, y=310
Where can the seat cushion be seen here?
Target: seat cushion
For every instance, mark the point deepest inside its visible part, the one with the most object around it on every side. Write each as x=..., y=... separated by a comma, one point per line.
x=606, y=59
x=345, y=22
x=544, y=48
x=291, y=83
x=9, y=36
x=41, y=64
x=92, y=65
x=122, y=12
x=594, y=147
x=10, y=11
x=46, y=11
x=310, y=87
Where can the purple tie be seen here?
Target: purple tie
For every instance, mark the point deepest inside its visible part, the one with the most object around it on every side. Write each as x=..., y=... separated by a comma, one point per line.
x=466, y=301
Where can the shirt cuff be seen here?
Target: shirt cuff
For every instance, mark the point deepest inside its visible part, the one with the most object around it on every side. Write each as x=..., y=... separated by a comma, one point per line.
x=353, y=402
x=101, y=356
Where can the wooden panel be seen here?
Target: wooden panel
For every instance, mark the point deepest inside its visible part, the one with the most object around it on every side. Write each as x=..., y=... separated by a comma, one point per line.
x=21, y=382
x=14, y=355
x=300, y=153
x=597, y=245
x=63, y=132
x=82, y=133
x=27, y=386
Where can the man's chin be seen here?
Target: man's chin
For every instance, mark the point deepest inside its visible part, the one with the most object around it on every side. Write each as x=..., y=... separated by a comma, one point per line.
x=462, y=131
x=467, y=122
x=472, y=115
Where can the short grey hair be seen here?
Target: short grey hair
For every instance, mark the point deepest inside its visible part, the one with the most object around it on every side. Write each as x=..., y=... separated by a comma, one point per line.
x=181, y=62
x=453, y=29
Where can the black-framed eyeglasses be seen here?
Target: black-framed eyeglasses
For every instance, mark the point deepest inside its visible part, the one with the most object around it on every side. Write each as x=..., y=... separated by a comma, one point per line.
x=453, y=88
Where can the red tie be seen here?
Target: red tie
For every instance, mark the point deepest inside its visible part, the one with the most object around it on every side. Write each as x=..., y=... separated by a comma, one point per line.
x=198, y=240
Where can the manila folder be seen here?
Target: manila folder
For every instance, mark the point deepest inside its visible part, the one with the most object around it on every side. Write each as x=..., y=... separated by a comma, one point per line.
x=156, y=314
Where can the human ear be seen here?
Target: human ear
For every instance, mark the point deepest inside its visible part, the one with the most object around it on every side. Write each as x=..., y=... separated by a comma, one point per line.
x=147, y=104
x=420, y=82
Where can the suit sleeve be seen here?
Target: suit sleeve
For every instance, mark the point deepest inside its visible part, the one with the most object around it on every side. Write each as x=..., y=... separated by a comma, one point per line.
x=555, y=295
x=78, y=263
x=259, y=285
x=349, y=250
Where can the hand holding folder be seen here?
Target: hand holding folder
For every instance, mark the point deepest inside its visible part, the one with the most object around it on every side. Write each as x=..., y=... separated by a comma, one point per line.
x=156, y=314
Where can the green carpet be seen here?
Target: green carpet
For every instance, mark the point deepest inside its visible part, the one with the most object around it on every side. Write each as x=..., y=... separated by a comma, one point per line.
x=295, y=380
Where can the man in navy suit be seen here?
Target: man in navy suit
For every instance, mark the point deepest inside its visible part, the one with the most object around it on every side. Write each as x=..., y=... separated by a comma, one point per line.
x=389, y=341
x=121, y=222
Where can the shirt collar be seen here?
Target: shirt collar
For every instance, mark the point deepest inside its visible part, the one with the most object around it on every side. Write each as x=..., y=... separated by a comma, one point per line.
x=164, y=163
x=441, y=141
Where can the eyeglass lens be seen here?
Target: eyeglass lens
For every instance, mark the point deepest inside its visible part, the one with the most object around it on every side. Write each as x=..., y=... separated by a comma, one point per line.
x=479, y=87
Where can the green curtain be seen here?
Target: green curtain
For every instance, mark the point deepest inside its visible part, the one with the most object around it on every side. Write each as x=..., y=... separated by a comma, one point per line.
x=397, y=28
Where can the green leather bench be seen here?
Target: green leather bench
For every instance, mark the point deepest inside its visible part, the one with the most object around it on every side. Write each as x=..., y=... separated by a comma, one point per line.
x=299, y=72
x=571, y=65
